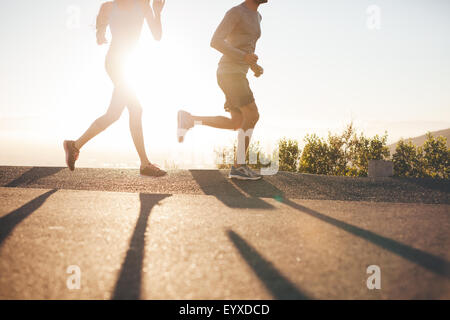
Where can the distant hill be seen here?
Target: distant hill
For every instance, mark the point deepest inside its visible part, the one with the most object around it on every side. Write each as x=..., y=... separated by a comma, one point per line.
x=418, y=141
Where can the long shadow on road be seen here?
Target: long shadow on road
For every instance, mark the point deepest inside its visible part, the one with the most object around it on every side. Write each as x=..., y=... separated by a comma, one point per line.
x=12, y=219
x=280, y=287
x=427, y=260
x=33, y=175
x=212, y=182
x=128, y=285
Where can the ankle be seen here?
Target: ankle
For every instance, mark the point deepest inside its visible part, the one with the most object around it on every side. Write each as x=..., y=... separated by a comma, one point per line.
x=145, y=164
x=77, y=145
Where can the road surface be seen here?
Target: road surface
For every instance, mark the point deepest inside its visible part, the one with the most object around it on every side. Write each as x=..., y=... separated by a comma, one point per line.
x=197, y=235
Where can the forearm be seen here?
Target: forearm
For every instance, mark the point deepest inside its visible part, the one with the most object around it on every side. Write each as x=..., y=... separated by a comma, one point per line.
x=101, y=34
x=155, y=24
x=102, y=22
x=158, y=27
x=225, y=48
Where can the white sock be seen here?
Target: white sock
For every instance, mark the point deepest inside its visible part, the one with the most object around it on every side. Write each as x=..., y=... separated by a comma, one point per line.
x=241, y=154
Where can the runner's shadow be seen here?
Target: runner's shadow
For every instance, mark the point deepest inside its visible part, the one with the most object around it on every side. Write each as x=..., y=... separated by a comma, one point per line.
x=128, y=284
x=12, y=219
x=260, y=189
x=280, y=287
x=212, y=182
x=429, y=261
x=33, y=175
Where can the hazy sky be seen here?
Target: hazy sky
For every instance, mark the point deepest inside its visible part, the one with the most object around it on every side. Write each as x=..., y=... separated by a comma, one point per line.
x=323, y=68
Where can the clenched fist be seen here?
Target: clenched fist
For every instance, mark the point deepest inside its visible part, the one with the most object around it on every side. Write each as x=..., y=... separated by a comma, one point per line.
x=257, y=70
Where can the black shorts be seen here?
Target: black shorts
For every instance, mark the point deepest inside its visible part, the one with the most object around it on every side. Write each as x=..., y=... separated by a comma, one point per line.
x=237, y=90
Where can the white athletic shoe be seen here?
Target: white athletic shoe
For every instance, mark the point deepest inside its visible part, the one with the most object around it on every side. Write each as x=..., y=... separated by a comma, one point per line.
x=185, y=122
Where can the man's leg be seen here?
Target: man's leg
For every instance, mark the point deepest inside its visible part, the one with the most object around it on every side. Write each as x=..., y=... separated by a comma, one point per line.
x=187, y=121
x=233, y=123
x=250, y=116
x=240, y=170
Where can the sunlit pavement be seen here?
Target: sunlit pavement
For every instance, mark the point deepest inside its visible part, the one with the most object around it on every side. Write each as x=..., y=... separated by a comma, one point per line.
x=197, y=235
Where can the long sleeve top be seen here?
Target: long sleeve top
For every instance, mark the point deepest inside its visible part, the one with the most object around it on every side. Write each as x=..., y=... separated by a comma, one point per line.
x=235, y=37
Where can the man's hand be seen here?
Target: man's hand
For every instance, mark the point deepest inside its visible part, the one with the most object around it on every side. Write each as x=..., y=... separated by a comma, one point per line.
x=251, y=58
x=257, y=70
x=158, y=6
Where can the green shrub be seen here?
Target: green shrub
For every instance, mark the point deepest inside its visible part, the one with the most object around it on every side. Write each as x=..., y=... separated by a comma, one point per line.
x=363, y=149
x=288, y=154
x=314, y=158
x=407, y=160
x=435, y=157
x=344, y=154
x=429, y=160
x=339, y=152
x=348, y=154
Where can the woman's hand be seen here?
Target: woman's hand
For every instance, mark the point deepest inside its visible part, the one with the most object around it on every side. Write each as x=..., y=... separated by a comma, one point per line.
x=158, y=6
x=101, y=38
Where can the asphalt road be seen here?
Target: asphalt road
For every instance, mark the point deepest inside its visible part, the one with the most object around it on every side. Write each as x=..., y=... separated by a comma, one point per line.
x=197, y=235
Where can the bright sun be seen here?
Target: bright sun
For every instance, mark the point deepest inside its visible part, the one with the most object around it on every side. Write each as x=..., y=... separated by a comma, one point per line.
x=143, y=71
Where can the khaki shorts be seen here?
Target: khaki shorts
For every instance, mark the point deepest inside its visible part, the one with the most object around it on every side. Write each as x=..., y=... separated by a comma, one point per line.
x=237, y=90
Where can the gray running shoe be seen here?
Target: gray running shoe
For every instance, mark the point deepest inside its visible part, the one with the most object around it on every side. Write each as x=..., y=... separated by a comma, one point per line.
x=242, y=173
x=251, y=172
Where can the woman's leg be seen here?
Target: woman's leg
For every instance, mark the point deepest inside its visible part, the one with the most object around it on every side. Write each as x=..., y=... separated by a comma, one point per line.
x=113, y=114
x=135, y=111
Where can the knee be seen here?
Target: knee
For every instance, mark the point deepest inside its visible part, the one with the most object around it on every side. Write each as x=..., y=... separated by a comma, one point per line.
x=252, y=118
x=113, y=116
x=251, y=115
x=237, y=123
x=108, y=118
x=256, y=117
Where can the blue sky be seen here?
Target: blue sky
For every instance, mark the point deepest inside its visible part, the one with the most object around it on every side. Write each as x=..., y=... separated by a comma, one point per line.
x=324, y=68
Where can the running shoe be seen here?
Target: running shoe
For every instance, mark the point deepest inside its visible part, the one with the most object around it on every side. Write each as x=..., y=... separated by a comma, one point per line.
x=251, y=172
x=185, y=122
x=243, y=173
x=152, y=171
x=72, y=154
